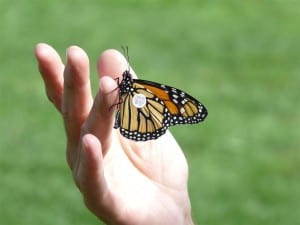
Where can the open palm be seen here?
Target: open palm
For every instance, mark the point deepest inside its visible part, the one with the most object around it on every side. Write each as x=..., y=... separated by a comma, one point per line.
x=122, y=181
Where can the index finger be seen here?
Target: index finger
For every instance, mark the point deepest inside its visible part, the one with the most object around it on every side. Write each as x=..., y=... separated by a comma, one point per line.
x=112, y=63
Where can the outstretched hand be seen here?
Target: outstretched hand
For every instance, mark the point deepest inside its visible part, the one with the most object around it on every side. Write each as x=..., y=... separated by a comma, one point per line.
x=122, y=181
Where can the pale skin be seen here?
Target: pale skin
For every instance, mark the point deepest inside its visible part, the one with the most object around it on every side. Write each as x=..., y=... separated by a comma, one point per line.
x=121, y=181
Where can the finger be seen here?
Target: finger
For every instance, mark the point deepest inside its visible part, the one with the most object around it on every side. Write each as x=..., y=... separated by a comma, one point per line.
x=91, y=180
x=90, y=175
x=51, y=69
x=101, y=118
x=112, y=63
x=77, y=98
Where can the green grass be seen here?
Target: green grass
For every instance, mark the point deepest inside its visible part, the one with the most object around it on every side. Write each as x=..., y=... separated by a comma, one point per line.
x=240, y=58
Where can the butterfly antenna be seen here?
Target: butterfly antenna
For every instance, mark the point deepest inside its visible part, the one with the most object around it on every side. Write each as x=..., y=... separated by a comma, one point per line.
x=126, y=53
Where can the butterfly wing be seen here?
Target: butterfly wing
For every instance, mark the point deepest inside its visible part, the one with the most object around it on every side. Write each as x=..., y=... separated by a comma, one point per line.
x=164, y=106
x=182, y=108
x=141, y=124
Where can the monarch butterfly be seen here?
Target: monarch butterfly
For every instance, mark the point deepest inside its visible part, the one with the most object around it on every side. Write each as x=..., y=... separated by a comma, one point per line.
x=146, y=109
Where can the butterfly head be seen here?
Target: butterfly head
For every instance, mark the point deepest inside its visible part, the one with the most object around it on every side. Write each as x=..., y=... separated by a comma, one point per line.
x=126, y=83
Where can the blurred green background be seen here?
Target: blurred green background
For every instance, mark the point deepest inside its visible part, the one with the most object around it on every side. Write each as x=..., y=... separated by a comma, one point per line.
x=240, y=58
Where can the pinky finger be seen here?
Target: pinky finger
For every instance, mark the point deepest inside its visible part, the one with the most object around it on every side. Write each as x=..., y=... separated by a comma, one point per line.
x=51, y=69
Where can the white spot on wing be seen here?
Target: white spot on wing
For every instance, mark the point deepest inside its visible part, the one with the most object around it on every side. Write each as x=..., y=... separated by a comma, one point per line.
x=139, y=100
x=182, y=110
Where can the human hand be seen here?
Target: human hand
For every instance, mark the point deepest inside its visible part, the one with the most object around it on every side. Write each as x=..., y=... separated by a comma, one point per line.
x=122, y=181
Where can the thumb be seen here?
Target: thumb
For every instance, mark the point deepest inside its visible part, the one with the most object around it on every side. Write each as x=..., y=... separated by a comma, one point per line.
x=92, y=183
x=90, y=175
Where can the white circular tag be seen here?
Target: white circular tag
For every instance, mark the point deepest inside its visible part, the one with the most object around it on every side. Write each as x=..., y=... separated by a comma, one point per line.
x=139, y=100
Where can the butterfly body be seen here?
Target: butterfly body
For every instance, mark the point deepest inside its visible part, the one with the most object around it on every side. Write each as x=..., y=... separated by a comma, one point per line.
x=146, y=109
